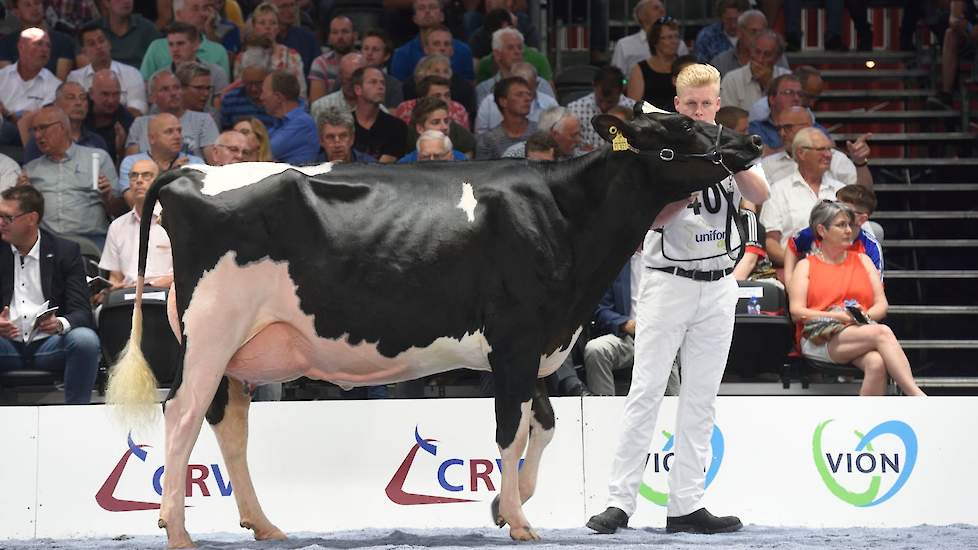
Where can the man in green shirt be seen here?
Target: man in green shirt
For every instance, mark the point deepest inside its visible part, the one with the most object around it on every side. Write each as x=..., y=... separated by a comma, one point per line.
x=193, y=12
x=129, y=33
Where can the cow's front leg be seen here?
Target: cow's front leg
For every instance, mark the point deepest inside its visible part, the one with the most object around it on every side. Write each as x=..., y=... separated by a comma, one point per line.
x=232, y=436
x=542, y=423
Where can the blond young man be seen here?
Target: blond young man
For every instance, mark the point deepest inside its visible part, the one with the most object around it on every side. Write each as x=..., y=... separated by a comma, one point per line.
x=685, y=305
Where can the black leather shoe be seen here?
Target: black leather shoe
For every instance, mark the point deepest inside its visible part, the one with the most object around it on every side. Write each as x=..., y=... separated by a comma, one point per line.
x=702, y=522
x=609, y=521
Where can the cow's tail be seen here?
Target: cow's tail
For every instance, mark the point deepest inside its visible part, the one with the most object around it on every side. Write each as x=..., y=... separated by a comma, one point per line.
x=132, y=385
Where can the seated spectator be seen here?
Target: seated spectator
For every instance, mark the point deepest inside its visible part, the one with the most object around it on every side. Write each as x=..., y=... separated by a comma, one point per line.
x=959, y=41
x=231, y=147
x=336, y=136
x=121, y=253
x=541, y=146
x=75, y=207
x=810, y=80
x=498, y=13
x=72, y=99
x=793, y=197
x=376, y=49
x=195, y=83
x=437, y=87
x=513, y=97
x=9, y=172
x=129, y=33
x=324, y=75
x=489, y=116
x=651, y=79
x=166, y=93
x=565, y=129
x=609, y=82
x=744, y=86
x=292, y=35
x=221, y=29
x=61, y=47
x=107, y=117
x=719, y=37
x=489, y=65
x=431, y=113
x=781, y=164
x=261, y=29
x=734, y=118
x=195, y=14
x=862, y=202
x=634, y=48
x=95, y=46
x=66, y=340
x=26, y=85
x=821, y=288
x=257, y=135
x=428, y=14
x=462, y=91
x=749, y=26
x=783, y=93
x=289, y=136
x=507, y=53
x=344, y=99
x=182, y=42
x=243, y=97
x=378, y=134
x=165, y=136
x=433, y=145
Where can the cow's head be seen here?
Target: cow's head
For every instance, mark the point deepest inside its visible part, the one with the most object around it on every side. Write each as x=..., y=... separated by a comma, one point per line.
x=701, y=152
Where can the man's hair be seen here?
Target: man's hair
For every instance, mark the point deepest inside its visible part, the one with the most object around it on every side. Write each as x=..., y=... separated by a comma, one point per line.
x=335, y=117
x=356, y=79
x=91, y=27
x=723, y=5
x=806, y=72
x=778, y=42
x=434, y=135
x=524, y=70
x=286, y=84
x=158, y=75
x=189, y=70
x=638, y=9
x=424, y=107
x=748, y=15
x=426, y=62
x=497, y=36
x=656, y=31
x=432, y=80
x=804, y=138
x=697, y=75
x=179, y=27
x=383, y=36
x=436, y=28
x=730, y=115
x=540, y=142
x=29, y=198
x=256, y=57
x=774, y=87
x=609, y=80
x=501, y=89
x=682, y=62
x=61, y=87
x=551, y=117
x=861, y=197
x=495, y=20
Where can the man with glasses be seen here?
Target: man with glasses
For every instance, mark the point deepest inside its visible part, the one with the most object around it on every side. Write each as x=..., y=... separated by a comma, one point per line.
x=783, y=93
x=231, y=148
x=198, y=90
x=336, y=136
x=80, y=201
x=40, y=269
x=744, y=86
x=165, y=149
x=794, y=196
x=749, y=25
x=851, y=169
x=244, y=99
x=73, y=100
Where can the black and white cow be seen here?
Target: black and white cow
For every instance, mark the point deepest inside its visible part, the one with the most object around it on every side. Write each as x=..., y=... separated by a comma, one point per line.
x=370, y=274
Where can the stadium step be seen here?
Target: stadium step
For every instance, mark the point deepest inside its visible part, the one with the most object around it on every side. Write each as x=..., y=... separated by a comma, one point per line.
x=877, y=57
x=924, y=187
x=931, y=273
x=932, y=310
x=861, y=95
x=874, y=74
x=915, y=138
x=939, y=344
x=826, y=117
x=931, y=243
x=926, y=215
x=923, y=162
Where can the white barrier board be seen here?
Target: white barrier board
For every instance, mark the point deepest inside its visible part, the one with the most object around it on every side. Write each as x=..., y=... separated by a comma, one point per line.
x=18, y=474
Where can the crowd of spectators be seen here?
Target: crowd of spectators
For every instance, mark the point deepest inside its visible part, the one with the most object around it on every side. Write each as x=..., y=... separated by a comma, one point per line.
x=97, y=97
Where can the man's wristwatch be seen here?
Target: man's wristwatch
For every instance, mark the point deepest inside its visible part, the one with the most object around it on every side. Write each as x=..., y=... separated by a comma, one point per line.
x=861, y=164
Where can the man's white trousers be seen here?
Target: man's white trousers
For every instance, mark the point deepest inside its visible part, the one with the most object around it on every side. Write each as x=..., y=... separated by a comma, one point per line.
x=696, y=318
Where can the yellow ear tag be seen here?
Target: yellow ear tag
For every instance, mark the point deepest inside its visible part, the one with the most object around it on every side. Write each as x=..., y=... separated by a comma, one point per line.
x=619, y=142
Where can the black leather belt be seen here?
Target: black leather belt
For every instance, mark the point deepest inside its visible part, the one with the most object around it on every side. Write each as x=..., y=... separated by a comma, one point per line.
x=697, y=275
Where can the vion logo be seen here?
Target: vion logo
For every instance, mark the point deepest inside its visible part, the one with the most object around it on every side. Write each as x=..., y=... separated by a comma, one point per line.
x=661, y=462
x=443, y=477
x=198, y=475
x=889, y=464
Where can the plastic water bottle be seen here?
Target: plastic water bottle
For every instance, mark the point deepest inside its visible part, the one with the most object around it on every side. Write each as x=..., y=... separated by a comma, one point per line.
x=753, y=307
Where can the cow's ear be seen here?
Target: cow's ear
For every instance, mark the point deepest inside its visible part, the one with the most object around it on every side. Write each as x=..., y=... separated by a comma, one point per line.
x=610, y=127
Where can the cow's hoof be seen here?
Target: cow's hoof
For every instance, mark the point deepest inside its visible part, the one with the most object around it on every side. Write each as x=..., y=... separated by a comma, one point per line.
x=523, y=533
x=497, y=518
x=268, y=532
x=161, y=523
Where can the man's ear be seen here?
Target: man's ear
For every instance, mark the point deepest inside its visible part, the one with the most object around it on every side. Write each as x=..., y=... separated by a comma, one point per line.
x=609, y=127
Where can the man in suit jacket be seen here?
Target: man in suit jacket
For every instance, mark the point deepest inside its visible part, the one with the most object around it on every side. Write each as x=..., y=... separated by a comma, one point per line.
x=36, y=266
x=614, y=319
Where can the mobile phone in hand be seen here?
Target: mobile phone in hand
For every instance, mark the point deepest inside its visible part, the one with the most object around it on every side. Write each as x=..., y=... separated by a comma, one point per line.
x=858, y=315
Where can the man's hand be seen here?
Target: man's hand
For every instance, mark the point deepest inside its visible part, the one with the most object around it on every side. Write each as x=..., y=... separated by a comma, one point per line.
x=104, y=187
x=50, y=324
x=8, y=329
x=120, y=137
x=23, y=178
x=628, y=327
x=761, y=73
x=859, y=150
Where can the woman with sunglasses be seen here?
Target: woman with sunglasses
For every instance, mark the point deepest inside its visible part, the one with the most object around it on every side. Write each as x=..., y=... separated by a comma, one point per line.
x=651, y=79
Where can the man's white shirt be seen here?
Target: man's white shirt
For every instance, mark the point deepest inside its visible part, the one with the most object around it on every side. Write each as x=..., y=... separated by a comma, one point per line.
x=739, y=89
x=18, y=95
x=791, y=203
x=130, y=81
x=778, y=166
x=121, y=251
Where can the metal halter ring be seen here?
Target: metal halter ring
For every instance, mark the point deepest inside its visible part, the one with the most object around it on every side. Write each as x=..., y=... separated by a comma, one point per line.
x=667, y=154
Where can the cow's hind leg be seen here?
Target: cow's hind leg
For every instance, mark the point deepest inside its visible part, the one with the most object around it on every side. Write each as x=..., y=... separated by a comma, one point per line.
x=514, y=379
x=232, y=435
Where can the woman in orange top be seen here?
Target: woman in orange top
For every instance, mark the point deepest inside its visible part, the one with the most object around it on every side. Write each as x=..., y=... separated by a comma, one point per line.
x=821, y=287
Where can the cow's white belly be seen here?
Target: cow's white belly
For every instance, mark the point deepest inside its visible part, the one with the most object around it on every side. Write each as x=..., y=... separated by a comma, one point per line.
x=255, y=310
